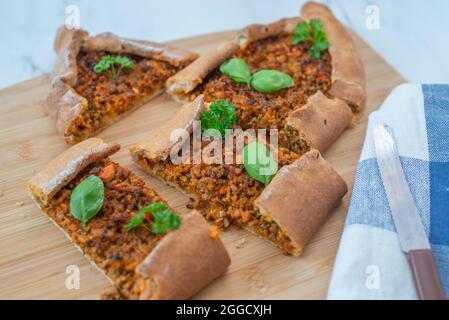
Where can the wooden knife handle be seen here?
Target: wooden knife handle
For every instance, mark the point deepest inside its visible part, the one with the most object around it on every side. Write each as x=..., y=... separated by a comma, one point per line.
x=425, y=275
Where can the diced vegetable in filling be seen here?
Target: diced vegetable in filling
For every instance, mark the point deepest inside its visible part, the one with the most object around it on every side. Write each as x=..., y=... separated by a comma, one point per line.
x=224, y=193
x=109, y=97
x=105, y=240
x=261, y=110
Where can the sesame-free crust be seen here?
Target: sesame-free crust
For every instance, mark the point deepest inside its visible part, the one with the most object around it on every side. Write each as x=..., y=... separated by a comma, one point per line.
x=348, y=76
x=66, y=166
x=159, y=141
x=325, y=115
x=181, y=264
x=184, y=261
x=186, y=80
x=301, y=197
x=65, y=104
x=321, y=120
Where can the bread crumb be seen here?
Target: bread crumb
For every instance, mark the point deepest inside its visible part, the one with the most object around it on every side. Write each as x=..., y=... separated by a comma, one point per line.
x=214, y=232
x=240, y=243
x=20, y=203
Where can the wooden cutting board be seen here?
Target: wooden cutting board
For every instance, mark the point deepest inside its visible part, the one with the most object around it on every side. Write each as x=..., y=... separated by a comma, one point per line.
x=34, y=254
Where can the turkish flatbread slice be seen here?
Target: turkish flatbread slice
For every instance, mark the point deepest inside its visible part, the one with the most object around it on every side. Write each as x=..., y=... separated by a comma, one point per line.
x=336, y=78
x=83, y=100
x=287, y=212
x=139, y=263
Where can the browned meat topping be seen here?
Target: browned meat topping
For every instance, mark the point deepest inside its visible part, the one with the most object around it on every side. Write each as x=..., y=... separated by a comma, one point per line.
x=108, y=98
x=224, y=193
x=105, y=240
x=259, y=110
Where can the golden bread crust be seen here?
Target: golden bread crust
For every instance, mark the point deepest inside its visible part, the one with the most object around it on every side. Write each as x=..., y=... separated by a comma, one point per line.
x=184, y=261
x=256, y=32
x=159, y=143
x=321, y=119
x=190, y=77
x=348, y=75
x=301, y=196
x=64, y=103
x=62, y=169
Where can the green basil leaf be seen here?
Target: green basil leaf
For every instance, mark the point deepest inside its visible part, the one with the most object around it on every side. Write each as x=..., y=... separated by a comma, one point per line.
x=220, y=116
x=259, y=163
x=237, y=70
x=87, y=199
x=301, y=33
x=267, y=81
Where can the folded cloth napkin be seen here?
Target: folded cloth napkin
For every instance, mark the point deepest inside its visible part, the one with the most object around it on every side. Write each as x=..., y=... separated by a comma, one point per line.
x=370, y=263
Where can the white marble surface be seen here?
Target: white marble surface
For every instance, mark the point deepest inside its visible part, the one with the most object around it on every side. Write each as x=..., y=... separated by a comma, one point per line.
x=412, y=35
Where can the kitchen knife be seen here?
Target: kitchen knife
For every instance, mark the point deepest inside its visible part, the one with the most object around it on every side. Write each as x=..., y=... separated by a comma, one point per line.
x=409, y=227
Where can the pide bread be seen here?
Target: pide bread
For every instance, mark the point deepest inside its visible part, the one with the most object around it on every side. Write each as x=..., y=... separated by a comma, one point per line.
x=140, y=264
x=83, y=100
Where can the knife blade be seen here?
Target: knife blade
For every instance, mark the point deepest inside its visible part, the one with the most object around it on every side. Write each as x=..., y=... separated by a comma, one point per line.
x=406, y=218
x=411, y=233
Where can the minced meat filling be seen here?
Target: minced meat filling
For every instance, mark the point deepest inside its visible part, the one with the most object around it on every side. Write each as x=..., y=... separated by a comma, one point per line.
x=225, y=193
x=107, y=97
x=105, y=240
x=260, y=110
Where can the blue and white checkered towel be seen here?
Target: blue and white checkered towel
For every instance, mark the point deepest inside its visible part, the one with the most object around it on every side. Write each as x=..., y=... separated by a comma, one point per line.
x=370, y=263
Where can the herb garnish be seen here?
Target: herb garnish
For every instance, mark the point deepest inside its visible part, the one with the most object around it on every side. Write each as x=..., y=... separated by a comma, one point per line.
x=311, y=31
x=237, y=70
x=301, y=33
x=87, y=199
x=164, y=219
x=259, y=163
x=265, y=81
x=220, y=117
x=137, y=220
x=108, y=63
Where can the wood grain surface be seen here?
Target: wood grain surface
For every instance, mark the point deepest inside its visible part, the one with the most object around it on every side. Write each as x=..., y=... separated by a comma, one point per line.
x=34, y=254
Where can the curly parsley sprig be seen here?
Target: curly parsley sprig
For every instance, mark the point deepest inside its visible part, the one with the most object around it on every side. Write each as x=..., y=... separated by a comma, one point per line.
x=220, y=117
x=109, y=64
x=164, y=219
x=311, y=31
